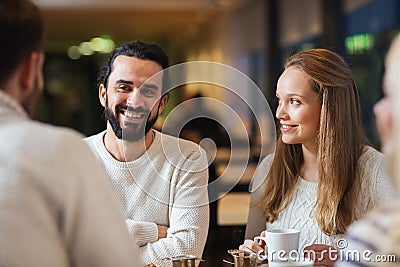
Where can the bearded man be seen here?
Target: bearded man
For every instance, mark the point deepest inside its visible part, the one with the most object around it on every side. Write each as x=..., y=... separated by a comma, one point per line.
x=160, y=180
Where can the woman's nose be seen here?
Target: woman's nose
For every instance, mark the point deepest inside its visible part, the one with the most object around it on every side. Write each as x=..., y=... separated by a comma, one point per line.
x=281, y=112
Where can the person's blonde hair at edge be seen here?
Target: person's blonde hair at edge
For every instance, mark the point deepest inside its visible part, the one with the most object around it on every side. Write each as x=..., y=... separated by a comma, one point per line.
x=392, y=84
x=340, y=142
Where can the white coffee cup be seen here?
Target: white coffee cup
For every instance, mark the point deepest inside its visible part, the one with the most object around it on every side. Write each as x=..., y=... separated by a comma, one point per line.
x=281, y=244
x=302, y=262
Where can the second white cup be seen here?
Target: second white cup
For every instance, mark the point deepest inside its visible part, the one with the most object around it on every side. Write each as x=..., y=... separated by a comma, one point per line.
x=281, y=244
x=302, y=262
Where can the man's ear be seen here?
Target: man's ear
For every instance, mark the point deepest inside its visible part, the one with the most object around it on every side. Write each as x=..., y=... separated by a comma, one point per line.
x=28, y=72
x=163, y=103
x=102, y=94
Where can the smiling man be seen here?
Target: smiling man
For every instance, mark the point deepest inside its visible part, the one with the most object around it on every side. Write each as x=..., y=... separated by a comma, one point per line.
x=160, y=180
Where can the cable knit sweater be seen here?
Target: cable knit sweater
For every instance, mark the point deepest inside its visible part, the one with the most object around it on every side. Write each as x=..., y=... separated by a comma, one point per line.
x=167, y=185
x=376, y=187
x=56, y=205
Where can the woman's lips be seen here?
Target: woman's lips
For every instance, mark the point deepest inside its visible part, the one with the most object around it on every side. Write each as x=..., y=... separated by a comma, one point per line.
x=286, y=128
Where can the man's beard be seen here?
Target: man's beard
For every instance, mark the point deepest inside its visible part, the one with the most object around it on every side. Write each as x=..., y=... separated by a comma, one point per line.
x=132, y=132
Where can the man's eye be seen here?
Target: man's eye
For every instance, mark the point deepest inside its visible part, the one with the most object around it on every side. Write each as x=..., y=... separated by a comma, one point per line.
x=148, y=92
x=123, y=88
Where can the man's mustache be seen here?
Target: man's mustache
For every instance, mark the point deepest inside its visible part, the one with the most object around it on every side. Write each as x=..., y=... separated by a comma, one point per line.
x=132, y=109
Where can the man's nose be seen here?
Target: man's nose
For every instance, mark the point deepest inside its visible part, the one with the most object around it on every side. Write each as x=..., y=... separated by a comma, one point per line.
x=135, y=99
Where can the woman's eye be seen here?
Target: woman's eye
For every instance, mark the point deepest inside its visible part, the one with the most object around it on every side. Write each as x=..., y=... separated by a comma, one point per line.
x=294, y=101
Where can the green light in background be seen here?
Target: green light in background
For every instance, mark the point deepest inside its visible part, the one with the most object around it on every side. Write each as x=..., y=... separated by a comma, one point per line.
x=102, y=44
x=97, y=44
x=359, y=43
x=85, y=49
x=73, y=52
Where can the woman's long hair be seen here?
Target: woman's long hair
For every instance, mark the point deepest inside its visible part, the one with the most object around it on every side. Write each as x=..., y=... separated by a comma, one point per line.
x=340, y=142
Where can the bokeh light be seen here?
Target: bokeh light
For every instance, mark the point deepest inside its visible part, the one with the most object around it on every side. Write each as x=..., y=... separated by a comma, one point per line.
x=73, y=52
x=101, y=45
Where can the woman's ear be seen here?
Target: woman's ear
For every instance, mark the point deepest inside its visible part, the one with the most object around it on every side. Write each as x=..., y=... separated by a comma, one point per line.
x=102, y=94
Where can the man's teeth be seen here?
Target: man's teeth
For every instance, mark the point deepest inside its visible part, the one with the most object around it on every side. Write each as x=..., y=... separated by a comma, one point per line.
x=285, y=126
x=133, y=115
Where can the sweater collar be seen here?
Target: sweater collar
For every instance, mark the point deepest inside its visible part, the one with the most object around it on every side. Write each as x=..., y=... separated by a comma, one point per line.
x=150, y=153
x=9, y=107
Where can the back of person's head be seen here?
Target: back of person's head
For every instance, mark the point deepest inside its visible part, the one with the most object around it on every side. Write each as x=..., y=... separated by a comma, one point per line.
x=22, y=27
x=136, y=49
x=392, y=87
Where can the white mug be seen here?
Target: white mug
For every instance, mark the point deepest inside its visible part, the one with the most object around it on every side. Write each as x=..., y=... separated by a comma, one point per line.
x=281, y=244
x=302, y=262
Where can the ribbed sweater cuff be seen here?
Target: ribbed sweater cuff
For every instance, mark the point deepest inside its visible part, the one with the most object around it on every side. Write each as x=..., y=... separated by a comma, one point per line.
x=143, y=232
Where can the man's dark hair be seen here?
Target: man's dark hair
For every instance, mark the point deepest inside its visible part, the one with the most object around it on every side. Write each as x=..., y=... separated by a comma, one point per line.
x=22, y=30
x=138, y=50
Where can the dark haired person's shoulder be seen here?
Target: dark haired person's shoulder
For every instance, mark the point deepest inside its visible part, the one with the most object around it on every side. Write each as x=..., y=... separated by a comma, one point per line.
x=46, y=152
x=38, y=138
x=57, y=133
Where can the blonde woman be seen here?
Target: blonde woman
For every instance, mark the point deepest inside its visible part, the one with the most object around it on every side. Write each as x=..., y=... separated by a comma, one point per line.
x=377, y=237
x=323, y=175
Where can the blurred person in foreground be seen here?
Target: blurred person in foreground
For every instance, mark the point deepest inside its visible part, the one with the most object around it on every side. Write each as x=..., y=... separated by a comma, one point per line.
x=160, y=180
x=375, y=240
x=56, y=206
x=323, y=175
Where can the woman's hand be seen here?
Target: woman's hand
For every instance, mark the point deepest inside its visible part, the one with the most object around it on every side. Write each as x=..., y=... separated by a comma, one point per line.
x=322, y=255
x=258, y=248
x=251, y=246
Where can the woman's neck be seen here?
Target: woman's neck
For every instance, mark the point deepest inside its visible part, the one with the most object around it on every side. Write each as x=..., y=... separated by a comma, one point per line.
x=309, y=169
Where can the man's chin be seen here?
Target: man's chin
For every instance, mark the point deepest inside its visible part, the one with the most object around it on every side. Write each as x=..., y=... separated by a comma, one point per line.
x=133, y=138
x=131, y=126
x=131, y=135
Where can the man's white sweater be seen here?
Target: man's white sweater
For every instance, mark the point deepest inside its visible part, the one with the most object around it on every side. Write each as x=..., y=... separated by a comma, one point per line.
x=167, y=185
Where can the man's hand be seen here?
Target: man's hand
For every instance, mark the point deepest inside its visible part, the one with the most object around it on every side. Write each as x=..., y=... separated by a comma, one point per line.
x=322, y=255
x=162, y=231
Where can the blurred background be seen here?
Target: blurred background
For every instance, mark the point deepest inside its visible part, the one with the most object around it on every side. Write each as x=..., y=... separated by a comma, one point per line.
x=253, y=36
